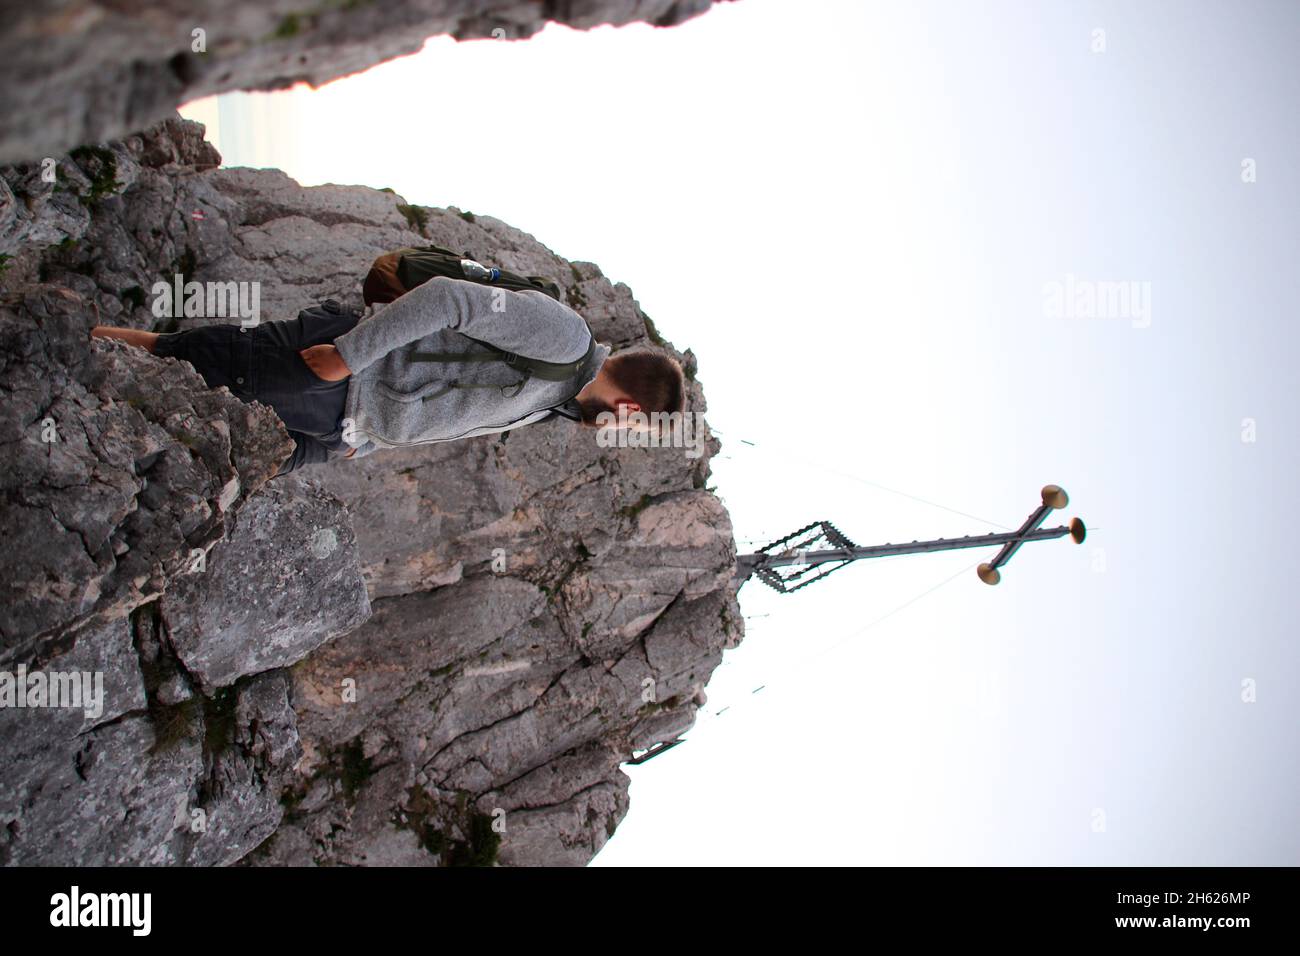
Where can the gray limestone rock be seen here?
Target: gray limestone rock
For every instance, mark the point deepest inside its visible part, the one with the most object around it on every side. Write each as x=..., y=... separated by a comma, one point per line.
x=540, y=606
x=118, y=468
x=79, y=72
x=283, y=582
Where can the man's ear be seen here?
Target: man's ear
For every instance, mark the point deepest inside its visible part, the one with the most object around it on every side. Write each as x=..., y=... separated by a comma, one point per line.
x=628, y=405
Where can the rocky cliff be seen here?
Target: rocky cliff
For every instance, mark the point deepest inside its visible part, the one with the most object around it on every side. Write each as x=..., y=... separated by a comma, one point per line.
x=81, y=71
x=427, y=657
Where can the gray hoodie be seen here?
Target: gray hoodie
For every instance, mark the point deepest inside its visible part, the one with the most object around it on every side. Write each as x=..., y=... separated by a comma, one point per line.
x=395, y=400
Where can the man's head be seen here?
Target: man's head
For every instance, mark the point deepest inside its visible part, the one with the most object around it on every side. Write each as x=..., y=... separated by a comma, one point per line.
x=637, y=380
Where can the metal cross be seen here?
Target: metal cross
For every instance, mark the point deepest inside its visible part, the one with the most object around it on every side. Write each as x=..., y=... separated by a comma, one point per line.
x=811, y=553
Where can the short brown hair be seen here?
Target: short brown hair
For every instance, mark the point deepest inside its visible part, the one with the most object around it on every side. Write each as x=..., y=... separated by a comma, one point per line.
x=652, y=379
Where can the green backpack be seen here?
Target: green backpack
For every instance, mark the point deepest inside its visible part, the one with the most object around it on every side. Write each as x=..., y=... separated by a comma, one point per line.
x=419, y=265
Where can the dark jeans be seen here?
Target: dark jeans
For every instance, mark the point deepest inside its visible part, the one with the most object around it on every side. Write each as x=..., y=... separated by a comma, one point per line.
x=262, y=364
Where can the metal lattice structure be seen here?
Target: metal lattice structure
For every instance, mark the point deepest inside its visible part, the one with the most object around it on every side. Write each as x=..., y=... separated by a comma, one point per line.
x=820, y=535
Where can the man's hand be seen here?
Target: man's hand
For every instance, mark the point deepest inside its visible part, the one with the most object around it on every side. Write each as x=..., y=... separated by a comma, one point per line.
x=325, y=361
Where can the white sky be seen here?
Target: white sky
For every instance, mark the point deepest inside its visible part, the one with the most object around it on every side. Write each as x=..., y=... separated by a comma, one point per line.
x=849, y=211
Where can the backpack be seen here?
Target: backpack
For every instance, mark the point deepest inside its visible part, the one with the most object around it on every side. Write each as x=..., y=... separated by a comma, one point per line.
x=418, y=265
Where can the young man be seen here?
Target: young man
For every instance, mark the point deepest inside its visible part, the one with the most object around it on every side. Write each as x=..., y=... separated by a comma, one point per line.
x=415, y=373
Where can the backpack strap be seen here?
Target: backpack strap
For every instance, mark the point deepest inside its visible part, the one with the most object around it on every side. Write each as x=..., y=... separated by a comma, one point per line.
x=529, y=368
x=569, y=409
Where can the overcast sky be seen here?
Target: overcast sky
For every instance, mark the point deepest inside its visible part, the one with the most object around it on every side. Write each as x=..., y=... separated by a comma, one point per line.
x=879, y=226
